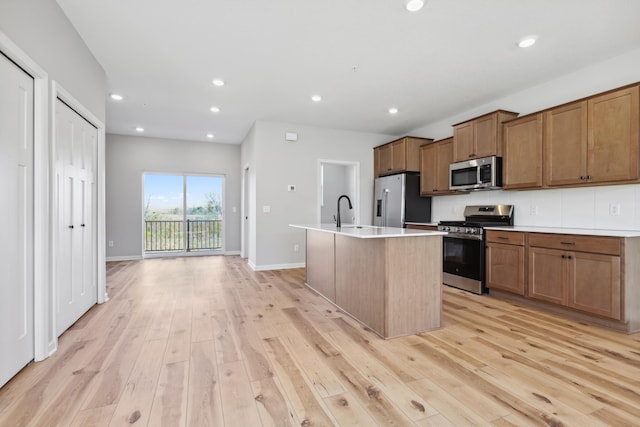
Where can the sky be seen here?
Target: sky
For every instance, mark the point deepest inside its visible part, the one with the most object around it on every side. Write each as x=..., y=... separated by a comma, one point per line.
x=165, y=191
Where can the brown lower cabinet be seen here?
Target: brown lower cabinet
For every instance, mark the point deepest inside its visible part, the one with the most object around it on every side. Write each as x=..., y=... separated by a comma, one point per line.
x=584, y=276
x=505, y=261
x=583, y=273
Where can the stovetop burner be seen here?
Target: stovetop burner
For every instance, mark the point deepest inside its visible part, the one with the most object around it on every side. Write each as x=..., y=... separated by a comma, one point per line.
x=478, y=217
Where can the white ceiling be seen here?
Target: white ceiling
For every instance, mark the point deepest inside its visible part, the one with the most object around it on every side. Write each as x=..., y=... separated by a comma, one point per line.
x=361, y=56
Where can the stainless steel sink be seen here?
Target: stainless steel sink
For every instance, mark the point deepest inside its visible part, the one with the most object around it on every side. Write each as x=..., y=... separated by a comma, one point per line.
x=359, y=226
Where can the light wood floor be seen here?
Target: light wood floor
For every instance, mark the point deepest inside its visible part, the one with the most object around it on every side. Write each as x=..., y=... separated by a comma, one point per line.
x=206, y=341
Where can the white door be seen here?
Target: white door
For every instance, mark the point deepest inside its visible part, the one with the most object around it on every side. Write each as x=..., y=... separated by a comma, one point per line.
x=76, y=249
x=16, y=217
x=245, y=213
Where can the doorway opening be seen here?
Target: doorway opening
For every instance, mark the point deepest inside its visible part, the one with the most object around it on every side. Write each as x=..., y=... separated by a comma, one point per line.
x=183, y=214
x=338, y=178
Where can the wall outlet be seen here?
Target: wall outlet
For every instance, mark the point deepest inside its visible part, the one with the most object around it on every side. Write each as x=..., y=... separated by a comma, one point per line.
x=614, y=209
x=266, y=209
x=533, y=210
x=296, y=248
x=110, y=243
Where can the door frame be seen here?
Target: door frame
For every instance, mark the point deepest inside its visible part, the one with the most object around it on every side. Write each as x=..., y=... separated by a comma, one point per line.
x=58, y=92
x=356, y=184
x=45, y=341
x=244, y=213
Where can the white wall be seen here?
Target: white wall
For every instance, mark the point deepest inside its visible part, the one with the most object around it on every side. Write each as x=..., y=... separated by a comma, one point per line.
x=279, y=163
x=42, y=30
x=128, y=157
x=571, y=207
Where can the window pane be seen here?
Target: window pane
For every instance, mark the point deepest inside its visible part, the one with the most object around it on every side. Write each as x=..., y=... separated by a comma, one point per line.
x=204, y=212
x=163, y=213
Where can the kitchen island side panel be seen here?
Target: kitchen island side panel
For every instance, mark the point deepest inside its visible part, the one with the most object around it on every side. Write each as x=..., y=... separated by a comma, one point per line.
x=360, y=276
x=413, y=291
x=320, y=264
x=631, y=279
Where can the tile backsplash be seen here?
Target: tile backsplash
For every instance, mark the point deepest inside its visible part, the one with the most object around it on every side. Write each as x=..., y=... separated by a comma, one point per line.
x=607, y=207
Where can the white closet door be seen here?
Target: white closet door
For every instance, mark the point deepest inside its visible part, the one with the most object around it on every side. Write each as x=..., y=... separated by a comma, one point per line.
x=76, y=250
x=16, y=217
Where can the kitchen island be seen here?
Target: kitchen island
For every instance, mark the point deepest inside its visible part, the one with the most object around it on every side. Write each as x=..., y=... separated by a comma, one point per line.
x=389, y=279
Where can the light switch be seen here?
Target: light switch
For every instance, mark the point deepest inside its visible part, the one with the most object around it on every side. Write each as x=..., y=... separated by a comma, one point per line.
x=291, y=136
x=266, y=209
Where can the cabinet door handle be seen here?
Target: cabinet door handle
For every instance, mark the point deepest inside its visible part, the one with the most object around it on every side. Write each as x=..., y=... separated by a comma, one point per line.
x=568, y=243
x=589, y=177
x=471, y=155
x=581, y=178
x=503, y=238
x=71, y=226
x=564, y=256
x=82, y=225
x=569, y=257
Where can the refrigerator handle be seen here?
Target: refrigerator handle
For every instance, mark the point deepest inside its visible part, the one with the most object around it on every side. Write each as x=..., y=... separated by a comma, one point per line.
x=384, y=206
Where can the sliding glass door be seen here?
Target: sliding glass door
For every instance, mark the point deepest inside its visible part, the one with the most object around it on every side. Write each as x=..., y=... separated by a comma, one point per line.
x=183, y=214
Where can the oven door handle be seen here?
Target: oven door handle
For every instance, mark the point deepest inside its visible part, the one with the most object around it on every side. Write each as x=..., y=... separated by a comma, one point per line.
x=463, y=236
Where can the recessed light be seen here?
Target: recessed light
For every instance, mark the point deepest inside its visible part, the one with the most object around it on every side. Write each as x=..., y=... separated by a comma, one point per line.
x=414, y=5
x=116, y=97
x=210, y=135
x=393, y=110
x=316, y=98
x=215, y=109
x=218, y=82
x=527, y=41
x=139, y=129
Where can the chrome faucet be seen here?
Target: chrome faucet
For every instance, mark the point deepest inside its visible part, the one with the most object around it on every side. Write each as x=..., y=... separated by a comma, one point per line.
x=338, y=222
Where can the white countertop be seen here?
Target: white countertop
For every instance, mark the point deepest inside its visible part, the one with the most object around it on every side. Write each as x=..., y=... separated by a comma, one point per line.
x=566, y=230
x=368, y=231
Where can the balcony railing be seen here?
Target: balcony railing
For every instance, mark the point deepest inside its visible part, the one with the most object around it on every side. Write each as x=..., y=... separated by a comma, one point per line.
x=163, y=236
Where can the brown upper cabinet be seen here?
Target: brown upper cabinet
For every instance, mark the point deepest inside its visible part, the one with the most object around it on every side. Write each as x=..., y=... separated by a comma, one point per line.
x=480, y=137
x=522, y=152
x=593, y=141
x=401, y=155
x=434, y=168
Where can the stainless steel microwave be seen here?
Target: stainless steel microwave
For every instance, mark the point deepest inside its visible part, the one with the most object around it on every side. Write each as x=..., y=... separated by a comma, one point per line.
x=477, y=174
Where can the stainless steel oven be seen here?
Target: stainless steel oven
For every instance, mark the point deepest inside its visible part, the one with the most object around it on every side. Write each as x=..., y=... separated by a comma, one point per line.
x=464, y=246
x=463, y=260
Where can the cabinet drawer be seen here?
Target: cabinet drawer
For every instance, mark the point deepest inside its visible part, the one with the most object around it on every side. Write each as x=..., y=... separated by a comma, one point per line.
x=570, y=242
x=506, y=237
x=423, y=227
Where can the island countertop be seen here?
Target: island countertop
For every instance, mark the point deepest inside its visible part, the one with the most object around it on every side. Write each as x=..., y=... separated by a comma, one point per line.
x=368, y=231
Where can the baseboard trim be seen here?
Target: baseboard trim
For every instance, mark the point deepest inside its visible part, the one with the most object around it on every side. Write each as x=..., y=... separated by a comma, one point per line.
x=232, y=253
x=276, y=266
x=124, y=258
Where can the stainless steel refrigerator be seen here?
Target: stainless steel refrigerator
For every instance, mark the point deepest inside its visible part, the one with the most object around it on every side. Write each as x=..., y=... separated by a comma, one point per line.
x=397, y=201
